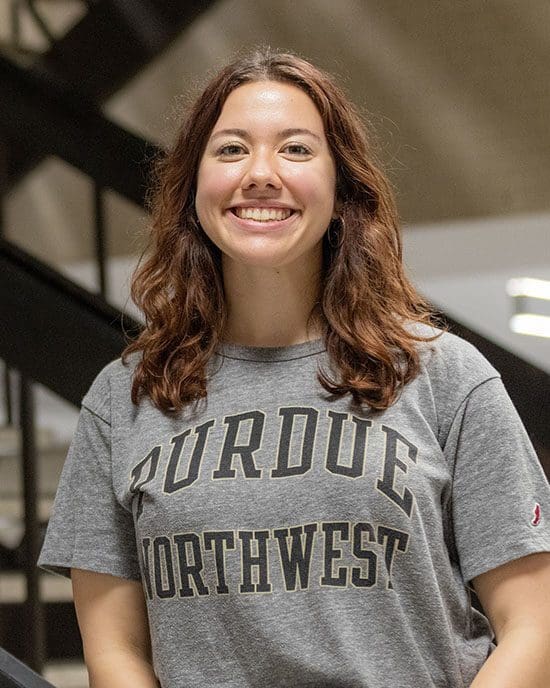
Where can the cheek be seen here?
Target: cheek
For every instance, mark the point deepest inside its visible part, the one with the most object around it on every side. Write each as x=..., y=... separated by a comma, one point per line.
x=216, y=184
x=317, y=188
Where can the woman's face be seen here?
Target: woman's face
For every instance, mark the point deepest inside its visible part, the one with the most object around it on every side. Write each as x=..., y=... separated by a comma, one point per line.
x=266, y=181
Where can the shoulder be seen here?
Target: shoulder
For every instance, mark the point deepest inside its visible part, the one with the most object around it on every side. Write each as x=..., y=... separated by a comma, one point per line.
x=114, y=380
x=451, y=368
x=451, y=358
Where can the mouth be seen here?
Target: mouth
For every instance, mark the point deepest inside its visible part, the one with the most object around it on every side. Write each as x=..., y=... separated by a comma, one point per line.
x=263, y=214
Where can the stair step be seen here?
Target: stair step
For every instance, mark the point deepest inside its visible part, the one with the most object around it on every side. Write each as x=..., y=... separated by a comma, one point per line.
x=51, y=454
x=66, y=674
x=12, y=515
x=10, y=439
x=53, y=588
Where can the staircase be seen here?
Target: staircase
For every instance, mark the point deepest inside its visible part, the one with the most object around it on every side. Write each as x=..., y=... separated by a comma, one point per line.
x=35, y=300
x=64, y=667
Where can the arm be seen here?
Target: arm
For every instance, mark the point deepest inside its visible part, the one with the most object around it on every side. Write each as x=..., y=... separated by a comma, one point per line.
x=112, y=618
x=516, y=599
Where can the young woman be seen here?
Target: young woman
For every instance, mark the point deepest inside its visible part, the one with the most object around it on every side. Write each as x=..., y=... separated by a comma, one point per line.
x=294, y=477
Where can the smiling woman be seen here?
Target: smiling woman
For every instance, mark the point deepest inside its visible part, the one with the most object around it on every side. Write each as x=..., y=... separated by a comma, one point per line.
x=293, y=477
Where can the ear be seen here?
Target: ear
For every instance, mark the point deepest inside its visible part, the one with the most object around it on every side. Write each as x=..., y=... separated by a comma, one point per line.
x=337, y=209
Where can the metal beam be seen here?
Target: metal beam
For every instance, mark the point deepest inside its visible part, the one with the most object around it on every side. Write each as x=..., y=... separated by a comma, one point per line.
x=32, y=540
x=36, y=116
x=53, y=330
x=115, y=40
x=103, y=51
x=15, y=674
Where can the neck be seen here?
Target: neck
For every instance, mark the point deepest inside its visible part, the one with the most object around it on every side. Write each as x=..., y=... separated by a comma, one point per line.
x=270, y=306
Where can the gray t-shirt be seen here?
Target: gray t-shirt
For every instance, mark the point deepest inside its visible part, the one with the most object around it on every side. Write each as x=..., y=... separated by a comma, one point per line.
x=288, y=538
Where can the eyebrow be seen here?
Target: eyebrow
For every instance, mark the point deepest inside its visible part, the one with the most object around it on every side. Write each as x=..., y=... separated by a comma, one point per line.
x=293, y=131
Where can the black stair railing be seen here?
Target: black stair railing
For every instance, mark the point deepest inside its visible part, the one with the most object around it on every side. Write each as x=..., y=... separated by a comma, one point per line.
x=58, y=334
x=15, y=674
x=54, y=330
x=42, y=115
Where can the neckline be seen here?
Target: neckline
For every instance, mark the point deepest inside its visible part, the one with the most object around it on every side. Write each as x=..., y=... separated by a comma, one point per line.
x=271, y=353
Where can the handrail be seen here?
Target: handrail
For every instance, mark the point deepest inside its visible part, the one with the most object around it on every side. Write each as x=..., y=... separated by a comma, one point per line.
x=16, y=674
x=56, y=332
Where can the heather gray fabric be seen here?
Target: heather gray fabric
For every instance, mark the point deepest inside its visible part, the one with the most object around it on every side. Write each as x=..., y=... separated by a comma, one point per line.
x=285, y=538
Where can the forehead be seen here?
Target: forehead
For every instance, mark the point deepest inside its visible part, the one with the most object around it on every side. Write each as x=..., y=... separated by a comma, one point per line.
x=269, y=103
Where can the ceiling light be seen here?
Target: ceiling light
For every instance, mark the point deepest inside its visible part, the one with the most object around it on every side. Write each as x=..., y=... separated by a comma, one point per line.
x=531, y=306
x=527, y=286
x=527, y=323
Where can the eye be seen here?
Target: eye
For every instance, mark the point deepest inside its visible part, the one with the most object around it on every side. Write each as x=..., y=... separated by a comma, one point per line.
x=302, y=150
x=229, y=149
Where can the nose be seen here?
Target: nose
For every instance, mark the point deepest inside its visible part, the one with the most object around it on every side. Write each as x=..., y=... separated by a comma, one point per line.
x=261, y=172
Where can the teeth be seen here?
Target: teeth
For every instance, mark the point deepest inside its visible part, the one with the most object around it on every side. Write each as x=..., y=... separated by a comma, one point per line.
x=263, y=214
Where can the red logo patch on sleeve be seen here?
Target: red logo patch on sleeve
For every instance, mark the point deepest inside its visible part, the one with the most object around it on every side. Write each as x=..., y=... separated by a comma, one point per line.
x=537, y=515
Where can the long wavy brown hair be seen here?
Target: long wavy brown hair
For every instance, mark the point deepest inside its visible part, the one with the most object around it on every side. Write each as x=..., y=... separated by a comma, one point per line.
x=366, y=304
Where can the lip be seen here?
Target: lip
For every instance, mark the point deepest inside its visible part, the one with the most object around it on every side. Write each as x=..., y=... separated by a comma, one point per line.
x=263, y=204
x=267, y=226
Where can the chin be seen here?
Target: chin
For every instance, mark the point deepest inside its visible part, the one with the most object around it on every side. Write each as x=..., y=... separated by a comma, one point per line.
x=256, y=259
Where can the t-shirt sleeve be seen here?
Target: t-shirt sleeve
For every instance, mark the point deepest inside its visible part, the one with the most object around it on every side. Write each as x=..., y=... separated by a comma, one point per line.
x=89, y=528
x=500, y=506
